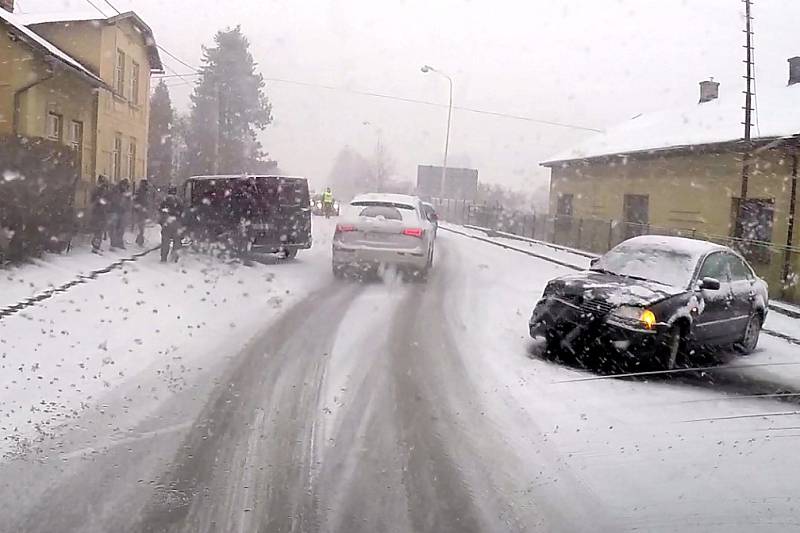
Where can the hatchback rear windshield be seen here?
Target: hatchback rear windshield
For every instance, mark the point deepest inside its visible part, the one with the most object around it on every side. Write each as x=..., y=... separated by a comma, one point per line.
x=377, y=211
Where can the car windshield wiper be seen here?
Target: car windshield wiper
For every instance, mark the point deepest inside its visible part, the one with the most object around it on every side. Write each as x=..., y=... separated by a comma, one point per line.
x=630, y=276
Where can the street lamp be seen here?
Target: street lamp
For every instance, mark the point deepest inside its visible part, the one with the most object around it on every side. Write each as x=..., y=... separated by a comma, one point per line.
x=425, y=69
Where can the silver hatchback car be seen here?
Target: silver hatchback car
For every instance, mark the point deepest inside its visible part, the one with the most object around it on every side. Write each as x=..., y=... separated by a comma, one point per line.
x=377, y=230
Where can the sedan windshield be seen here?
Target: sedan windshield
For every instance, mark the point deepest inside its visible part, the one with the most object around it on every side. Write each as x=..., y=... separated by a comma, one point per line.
x=662, y=265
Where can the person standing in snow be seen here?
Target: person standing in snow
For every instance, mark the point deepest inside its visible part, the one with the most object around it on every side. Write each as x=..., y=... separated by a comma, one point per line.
x=169, y=217
x=100, y=208
x=142, y=200
x=120, y=213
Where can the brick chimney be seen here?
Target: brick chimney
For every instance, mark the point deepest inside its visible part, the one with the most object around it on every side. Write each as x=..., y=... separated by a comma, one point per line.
x=709, y=90
x=8, y=5
x=794, y=70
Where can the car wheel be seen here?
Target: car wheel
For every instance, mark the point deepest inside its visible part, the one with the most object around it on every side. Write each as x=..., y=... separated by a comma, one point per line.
x=669, y=348
x=288, y=253
x=751, y=333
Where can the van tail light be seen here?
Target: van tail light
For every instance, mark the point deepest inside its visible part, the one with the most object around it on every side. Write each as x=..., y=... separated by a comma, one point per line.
x=341, y=228
x=413, y=232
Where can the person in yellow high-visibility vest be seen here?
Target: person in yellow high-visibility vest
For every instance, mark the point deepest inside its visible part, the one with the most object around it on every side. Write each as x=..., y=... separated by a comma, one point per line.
x=327, y=202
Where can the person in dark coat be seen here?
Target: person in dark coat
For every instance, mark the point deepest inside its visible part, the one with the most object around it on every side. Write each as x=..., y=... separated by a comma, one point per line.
x=169, y=216
x=100, y=204
x=120, y=213
x=142, y=203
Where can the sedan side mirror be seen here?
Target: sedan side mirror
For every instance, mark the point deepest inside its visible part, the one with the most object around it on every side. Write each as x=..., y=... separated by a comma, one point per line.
x=709, y=284
x=593, y=261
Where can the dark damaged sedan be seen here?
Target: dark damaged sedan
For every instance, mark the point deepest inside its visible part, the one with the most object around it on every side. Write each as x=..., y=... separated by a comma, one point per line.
x=655, y=297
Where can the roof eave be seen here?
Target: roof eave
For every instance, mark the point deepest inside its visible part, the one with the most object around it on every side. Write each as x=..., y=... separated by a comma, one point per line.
x=684, y=148
x=93, y=80
x=156, y=66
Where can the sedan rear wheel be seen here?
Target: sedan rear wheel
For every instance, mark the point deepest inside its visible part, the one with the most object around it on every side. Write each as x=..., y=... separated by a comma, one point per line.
x=669, y=349
x=751, y=334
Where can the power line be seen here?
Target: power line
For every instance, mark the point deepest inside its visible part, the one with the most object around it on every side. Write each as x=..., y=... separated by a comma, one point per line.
x=97, y=8
x=181, y=61
x=170, y=54
x=394, y=97
x=197, y=72
x=112, y=7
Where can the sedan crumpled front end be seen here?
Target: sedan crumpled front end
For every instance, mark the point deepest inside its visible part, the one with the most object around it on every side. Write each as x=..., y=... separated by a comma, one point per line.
x=576, y=324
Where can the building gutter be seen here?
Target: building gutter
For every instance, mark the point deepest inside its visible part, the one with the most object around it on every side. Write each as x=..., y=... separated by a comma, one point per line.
x=18, y=97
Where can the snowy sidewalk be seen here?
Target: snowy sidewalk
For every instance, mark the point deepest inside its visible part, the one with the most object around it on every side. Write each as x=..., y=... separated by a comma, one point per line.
x=39, y=278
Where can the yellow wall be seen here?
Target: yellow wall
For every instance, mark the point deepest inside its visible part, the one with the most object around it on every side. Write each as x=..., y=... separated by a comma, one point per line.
x=96, y=45
x=66, y=94
x=690, y=192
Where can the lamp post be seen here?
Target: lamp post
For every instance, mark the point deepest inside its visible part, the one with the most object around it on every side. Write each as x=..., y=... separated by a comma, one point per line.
x=425, y=69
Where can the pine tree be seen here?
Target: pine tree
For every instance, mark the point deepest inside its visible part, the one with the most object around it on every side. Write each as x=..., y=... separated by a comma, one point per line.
x=229, y=107
x=159, y=151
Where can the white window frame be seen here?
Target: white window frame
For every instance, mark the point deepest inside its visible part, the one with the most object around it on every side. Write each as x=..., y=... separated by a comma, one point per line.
x=119, y=73
x=131, y=163
x=116, y=157
x=57, y=135
x=135, y=73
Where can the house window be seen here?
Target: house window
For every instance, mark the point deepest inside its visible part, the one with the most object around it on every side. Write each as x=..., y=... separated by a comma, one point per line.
x=76, y=139
x=132, y=159
x=134, y=97
x=564, y=212
x=564, y=207
x=116, y=157
x=119, y=81
x=636, y=211
x=55, y=124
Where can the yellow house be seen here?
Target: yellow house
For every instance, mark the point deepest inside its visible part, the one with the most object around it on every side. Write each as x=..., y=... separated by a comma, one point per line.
x=680, y=172
x=45, y=92
x=121, y=50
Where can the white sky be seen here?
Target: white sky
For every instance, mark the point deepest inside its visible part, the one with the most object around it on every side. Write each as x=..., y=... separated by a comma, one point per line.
x=588, y=62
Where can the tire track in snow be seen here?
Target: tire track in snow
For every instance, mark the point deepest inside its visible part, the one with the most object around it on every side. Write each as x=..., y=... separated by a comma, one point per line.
x=81, y=278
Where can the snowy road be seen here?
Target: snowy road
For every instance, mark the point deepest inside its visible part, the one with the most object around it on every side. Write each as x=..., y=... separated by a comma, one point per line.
x=374, y=407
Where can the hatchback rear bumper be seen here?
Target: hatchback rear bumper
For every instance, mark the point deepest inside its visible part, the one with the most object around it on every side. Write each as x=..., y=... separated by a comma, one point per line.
x=363, y=256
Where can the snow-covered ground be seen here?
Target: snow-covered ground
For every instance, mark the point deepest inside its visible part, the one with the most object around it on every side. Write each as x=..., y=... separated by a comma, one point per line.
x=660, y=443
x=143, y=323
x=421, y=406
x=54, y=270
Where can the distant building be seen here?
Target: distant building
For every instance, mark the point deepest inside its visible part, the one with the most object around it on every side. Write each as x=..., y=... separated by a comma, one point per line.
x=459, y=183
x=108, y=114
x=680, y=171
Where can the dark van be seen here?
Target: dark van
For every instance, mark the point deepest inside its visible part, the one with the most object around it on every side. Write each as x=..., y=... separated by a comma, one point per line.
x=268, y=214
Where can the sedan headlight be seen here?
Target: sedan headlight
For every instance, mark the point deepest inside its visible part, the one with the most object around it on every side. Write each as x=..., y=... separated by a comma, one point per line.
x=639, y=316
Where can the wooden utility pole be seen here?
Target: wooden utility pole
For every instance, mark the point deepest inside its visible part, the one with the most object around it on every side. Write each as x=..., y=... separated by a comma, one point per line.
x=748, y=99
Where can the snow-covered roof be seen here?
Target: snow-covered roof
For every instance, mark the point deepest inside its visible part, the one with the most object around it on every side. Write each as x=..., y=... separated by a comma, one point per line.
x=385, y=197
x=716, y=121
x=45, y=46
x=65, y=16
x=32, y=19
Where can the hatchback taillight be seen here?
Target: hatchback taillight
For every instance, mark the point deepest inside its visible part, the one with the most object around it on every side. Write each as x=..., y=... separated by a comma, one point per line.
x=414, y=232
x=340, y=228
